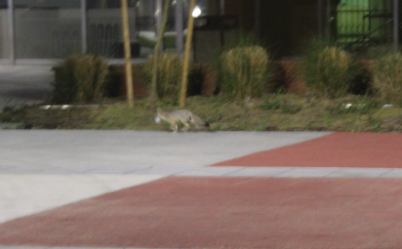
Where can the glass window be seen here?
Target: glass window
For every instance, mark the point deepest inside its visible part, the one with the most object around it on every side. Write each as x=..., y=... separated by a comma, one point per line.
x=4, y=35
x=146, y=25
x=70, y=4
x=105, y=28
x=3, y=4
x=47, y=29
x=108, y=4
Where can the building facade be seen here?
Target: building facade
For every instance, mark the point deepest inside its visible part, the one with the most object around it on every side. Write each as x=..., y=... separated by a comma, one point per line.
x=45, y=31
x=286, y=25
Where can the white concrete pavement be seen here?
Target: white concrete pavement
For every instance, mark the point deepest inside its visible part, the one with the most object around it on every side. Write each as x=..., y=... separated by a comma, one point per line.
x=43, y=169
x=84, y=150
x=26, y=194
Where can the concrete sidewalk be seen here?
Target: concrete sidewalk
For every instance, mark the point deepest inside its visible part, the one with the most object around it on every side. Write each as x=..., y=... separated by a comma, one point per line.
x=43, y=170
x=89, y=152
x=38, y=163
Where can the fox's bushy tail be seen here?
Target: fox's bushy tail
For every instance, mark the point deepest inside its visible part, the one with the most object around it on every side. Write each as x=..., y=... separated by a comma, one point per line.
x=198, y=121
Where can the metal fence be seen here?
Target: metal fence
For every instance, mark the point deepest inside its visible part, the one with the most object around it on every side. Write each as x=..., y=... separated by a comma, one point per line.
x=363, y=23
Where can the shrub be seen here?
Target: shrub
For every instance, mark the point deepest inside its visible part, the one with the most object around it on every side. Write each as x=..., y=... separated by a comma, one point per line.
x=169, y=74
x=388, y=77
x=244, y=72
x=363, y=78
x=80, y=78
x=327, y=71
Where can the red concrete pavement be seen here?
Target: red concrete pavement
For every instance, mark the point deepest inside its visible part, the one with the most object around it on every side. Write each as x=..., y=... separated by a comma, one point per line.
x=189, y=212
x=366, y=150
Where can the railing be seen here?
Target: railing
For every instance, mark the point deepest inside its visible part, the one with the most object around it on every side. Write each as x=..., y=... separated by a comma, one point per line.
x=102, y=39
x=364, y=23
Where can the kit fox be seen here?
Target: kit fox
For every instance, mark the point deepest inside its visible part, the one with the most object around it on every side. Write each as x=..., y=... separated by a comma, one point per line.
x=184, y=116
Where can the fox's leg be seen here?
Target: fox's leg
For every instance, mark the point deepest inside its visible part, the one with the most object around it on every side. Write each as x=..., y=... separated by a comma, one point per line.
x=195, y=124
x=186, y=126
x=173, y=127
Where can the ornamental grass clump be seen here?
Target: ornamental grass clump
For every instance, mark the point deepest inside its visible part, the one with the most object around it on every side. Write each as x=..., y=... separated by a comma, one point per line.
x=388, y=78
x=244, y=72
x=80, y=79
x=327, y=71
x=169, y=72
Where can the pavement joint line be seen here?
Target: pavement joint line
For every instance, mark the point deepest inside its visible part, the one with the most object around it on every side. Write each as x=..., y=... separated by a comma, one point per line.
x=87, y=171
x=396, y=170
x=72, y=171
x=328, y=172
x=282, y=174
x=353, y=172
x=174, y=174
x=227, y=174
x=389, y=171
x=336, y=170
x=111, y=167
x=279, y=174
x=135, y=170
x=328, y=175
x=207, y=171
x=274, y=175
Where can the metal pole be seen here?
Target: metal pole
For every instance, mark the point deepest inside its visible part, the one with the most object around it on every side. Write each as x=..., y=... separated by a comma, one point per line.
x=127, y=54
x=183, y=90
x=222, y=7
x=11, y=34
x=158, y=13
x=319, y=18
x=396, y=26
x=179, y=26
x=159, y=17
x=83, y=26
